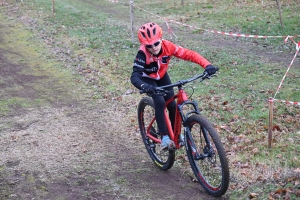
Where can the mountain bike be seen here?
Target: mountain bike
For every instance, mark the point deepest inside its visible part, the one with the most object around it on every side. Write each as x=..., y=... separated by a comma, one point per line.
x=202, y=144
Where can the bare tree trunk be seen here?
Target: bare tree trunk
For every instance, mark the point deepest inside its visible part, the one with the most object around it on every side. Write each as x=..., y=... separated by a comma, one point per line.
x=279, y=10
x=182, y=3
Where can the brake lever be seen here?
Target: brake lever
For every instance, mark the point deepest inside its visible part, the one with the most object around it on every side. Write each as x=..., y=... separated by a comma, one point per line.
x=160, y=92
x=206, y=76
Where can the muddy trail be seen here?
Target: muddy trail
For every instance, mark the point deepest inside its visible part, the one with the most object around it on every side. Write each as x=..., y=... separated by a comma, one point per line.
x=58, y=143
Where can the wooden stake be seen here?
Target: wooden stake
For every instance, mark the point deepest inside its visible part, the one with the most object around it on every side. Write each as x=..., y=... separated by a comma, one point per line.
x=53, y=7
x=131, y=19
x=270, y=131
x=279, y=10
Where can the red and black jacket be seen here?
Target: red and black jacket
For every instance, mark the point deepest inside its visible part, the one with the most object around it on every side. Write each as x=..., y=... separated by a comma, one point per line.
x=154, y=67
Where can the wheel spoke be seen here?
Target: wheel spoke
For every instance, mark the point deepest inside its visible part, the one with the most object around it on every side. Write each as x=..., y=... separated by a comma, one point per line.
x=146, y=114
x=211, y=166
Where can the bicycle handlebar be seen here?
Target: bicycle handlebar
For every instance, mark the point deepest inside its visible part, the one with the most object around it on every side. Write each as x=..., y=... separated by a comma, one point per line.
x=204, y=76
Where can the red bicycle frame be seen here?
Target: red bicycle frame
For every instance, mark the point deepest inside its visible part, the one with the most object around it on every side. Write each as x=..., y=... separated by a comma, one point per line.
x=174, y=134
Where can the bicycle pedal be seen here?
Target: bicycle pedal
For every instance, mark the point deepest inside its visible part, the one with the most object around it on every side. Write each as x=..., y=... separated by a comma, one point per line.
x=164, y=149
x=168, y=148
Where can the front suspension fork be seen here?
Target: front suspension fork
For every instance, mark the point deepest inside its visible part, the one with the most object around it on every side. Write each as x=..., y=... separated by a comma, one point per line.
x=189, y=143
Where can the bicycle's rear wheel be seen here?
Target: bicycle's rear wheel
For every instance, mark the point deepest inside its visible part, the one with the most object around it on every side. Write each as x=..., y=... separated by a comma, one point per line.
x=211, y=170
x=162, y=158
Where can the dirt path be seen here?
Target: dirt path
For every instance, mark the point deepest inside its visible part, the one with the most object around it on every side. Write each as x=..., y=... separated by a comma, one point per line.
x=55, y=141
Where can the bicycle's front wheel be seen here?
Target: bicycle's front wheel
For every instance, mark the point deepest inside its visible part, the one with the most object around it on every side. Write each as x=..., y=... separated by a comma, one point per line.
x=147, y=123
x=207, y=156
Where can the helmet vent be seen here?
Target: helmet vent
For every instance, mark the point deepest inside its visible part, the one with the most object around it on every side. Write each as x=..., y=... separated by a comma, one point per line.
x=154, y=31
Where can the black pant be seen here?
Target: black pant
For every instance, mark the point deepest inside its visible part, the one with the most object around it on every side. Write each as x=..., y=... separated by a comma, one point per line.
x=159, y=102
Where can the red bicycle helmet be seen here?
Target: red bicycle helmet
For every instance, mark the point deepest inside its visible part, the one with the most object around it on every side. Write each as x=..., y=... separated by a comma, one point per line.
x=149, y=33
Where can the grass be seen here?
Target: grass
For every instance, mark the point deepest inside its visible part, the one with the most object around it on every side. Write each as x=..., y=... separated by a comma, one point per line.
x=98, y=46
x=239, y=16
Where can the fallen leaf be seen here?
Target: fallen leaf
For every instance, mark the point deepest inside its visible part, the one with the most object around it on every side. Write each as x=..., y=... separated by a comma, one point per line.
x=276, y=127
x=280, y=191
x=253, y=195
x=226, y=128
x=279, y=156
x=259, y=178
x=270, y=197
x=119, y=98
x=225, y=103
x=295, y=159
x=290, y=179
x=297, y=170
x=230, y=138
x=239, y=138
x=255, y=151
x=235, y=116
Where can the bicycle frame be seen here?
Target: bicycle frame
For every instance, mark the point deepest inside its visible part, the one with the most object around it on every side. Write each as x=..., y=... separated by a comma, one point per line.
x=181, y=100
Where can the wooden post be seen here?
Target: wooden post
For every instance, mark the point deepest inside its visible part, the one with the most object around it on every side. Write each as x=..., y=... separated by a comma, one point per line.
x=270, y=131
x=53, y=9
x=131, y=19
x=279, y=10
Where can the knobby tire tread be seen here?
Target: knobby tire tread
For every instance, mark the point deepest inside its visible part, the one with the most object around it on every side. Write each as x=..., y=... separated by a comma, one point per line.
x=221, y=154
x=147, y=101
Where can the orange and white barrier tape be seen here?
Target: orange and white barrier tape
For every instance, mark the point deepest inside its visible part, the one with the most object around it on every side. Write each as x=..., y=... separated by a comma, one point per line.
x=211, y=31
x=284, y=101
x=214, y=31
x=288, y=102
x=297, y=51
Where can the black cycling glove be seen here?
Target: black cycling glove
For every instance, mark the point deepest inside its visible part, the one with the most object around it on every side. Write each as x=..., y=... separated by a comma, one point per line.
x=211, y=69
x=149, y=89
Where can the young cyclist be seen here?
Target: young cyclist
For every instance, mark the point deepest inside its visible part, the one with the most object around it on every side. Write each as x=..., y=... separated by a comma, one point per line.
x=150, y=70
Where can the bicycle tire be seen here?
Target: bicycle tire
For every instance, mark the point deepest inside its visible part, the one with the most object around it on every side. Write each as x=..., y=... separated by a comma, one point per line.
x=164, y=159
x=212, y=172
